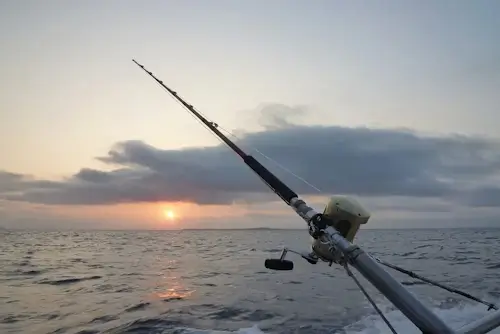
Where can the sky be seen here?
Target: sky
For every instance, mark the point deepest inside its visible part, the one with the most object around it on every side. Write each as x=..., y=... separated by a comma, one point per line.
x=391, y=102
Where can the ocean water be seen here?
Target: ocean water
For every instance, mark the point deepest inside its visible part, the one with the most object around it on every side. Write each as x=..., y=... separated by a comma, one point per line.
x=209, y=282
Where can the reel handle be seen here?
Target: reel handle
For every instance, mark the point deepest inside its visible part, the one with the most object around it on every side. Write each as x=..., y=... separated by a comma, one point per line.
x=278, y=264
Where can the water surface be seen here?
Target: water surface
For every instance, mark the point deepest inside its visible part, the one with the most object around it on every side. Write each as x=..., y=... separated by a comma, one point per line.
x=208, y=281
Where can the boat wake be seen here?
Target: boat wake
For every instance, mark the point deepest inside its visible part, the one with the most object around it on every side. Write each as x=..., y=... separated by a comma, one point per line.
x=457, y=316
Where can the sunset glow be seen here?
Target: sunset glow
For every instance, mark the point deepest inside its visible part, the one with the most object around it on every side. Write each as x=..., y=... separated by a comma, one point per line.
x=169, y=214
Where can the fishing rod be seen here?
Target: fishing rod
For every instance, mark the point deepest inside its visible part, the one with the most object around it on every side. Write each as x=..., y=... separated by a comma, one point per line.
x=278, y=187
x=333, y=232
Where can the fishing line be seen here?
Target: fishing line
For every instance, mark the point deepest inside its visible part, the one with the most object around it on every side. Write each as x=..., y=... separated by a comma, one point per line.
x=491, y=306
x=255, y=149
x=360, y=286
x=275, y=162
x=236, y=137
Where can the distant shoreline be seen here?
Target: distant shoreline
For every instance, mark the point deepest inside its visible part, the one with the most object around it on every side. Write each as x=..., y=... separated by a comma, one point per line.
x=245, y=229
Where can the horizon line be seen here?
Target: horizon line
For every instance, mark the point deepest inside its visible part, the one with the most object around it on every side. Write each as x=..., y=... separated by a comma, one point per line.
x=5, y=229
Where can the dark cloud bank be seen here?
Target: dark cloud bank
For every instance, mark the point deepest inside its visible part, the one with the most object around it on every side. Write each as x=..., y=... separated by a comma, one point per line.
x=359, y=161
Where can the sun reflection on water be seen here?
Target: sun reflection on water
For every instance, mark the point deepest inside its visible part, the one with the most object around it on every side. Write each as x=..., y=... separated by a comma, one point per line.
x=173, y=289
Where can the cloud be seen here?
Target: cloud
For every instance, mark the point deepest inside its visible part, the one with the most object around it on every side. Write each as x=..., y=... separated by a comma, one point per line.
x=275, y=115
x=359, y=161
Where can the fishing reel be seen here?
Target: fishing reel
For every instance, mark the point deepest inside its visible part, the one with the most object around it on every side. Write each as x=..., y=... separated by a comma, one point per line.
x=342, y=213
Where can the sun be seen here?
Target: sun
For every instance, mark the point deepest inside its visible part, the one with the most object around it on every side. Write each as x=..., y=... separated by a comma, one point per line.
x=169, y=214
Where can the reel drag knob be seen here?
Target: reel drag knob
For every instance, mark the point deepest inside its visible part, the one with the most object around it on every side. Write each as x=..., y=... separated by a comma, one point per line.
x=278, y=264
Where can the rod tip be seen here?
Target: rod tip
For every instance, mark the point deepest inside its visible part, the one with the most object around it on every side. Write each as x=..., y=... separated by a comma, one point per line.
x=135, y=61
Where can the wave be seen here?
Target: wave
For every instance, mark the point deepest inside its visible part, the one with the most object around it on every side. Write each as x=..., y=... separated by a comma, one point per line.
x=70, y=280
x=457, y=316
